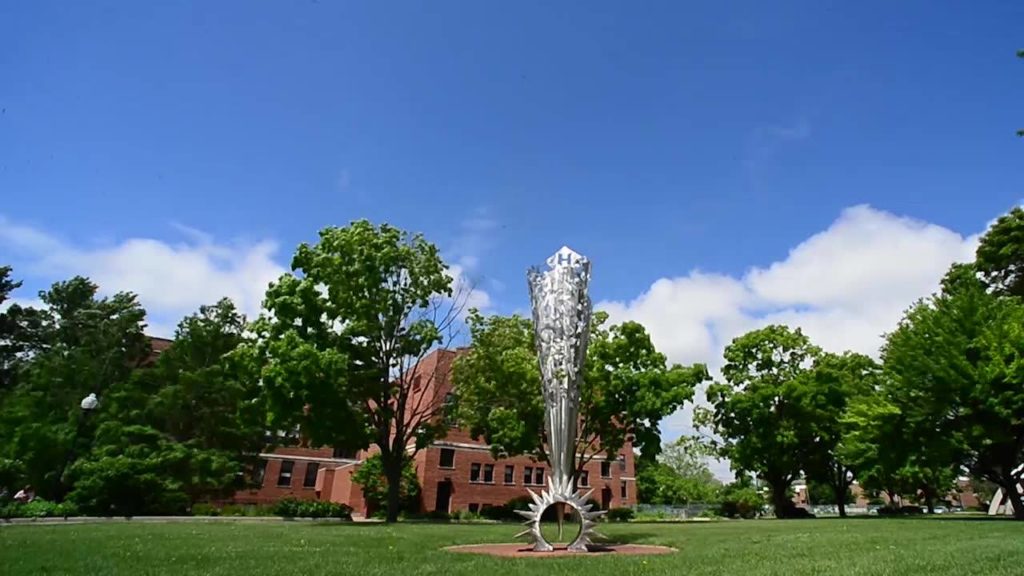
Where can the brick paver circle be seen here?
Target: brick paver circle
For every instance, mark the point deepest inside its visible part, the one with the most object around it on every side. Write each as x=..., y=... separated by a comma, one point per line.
x=520, y=550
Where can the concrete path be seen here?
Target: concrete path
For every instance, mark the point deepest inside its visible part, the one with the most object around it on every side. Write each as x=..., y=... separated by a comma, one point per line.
x=171, y=519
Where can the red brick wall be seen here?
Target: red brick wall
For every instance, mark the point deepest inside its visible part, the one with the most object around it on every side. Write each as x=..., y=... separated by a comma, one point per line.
x=465, y=492
x=431, y=379
x=270, y=491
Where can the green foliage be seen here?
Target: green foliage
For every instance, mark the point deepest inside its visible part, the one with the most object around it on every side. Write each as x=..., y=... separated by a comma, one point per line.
x=340, y=336
x=955, y=364
x=833, y=383
x=78, y=344
x=627, y=389
x=39, y=508
x=620, y=514
x=371, y=479
x=294, y=508
x=757, y=411
x=1000, y=255
x=180, y=432
x=740, y=500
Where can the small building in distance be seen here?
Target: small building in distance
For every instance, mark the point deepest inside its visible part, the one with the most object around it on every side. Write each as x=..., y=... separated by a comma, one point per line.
x=456, y=473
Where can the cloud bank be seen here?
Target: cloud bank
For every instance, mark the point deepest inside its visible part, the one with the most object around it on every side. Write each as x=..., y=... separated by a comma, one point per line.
x=845, y=287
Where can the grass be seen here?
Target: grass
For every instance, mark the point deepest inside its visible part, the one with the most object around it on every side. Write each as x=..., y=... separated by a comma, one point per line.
x=877, y=546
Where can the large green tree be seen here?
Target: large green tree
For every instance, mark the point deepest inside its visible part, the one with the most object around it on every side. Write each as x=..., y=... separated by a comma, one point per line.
x=79, y=344
x=833, y=383
x=181, y=431
x=628, y=388
x=956, y=366
x=340, y=339
x=756, y=408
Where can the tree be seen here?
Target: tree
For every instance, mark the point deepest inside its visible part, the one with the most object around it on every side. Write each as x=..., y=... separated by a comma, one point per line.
x=627, y=388
x=340, y=339
x=372, y=481
x=19, y=328
x=79, y=344
x=833, y=382
x=1000, y=254
x=876, y=447
x=679, y=476
x=756, y=410
x=184, y=430
x=955, y=365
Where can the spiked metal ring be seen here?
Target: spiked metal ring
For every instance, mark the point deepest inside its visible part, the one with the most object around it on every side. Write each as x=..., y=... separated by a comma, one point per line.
x=557, y=493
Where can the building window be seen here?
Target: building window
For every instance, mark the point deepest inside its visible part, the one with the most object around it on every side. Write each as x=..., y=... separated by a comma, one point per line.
x=489, y=473
x=447, y=458
x=284, y=478
x=528, y=475
x=510, y=474
x=606, y=469
x=584, y=478
x=344, y=453
x=474, y=472
x=310, y=479
x=538, y=476
x=474, y=507
x=448, y=410
x=624, y=493
x=259, y=473
x=622, y=461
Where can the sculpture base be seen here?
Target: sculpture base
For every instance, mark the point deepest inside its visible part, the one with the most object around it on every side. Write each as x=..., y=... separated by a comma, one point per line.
x=525, y=551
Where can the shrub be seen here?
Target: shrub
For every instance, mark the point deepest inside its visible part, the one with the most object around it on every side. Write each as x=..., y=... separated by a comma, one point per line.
x=464, y=516
x=204, y=509
x=287, y=508
x=621, y=514
x=39, y=508
x=293, y=508
x=246, y=510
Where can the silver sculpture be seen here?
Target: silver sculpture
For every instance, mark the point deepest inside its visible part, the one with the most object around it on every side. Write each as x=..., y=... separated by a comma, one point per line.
x=561, y=323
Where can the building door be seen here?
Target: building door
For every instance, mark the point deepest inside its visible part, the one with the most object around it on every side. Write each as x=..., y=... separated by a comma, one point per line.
x=444, y=496
x=606, y=498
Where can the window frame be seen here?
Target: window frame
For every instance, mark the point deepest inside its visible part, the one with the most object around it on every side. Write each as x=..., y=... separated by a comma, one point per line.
x=290, y=473
x=584, y=479
x=474, y=472
x=440, y=459
x=315, y=467
x=527, y=475
x=606, y=469
x=510, y=474
x=538, y=476
x=488, y=471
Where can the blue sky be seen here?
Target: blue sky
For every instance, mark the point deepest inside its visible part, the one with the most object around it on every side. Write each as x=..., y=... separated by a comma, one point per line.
x=715, y=160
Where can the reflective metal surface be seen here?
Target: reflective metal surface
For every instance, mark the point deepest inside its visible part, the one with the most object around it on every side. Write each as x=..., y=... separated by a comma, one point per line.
x=561, y=322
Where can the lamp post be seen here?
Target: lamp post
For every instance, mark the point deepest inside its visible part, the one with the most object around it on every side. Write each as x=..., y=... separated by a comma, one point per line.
x=87, y=406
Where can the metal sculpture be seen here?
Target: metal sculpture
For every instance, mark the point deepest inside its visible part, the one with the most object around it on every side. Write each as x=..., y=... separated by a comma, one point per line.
x=561, y=323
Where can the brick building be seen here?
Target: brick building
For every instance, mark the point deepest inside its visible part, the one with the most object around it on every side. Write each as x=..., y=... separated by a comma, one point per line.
x=455, y=472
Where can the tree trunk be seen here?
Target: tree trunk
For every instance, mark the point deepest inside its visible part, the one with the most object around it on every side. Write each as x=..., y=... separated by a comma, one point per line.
x=393, y=475
x=781, y=500
x=929, y=499
x=1010, y=490
x=840, y=490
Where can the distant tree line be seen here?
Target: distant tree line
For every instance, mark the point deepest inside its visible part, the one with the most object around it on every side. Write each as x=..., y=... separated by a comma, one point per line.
x=946, y=399
x=329, y=361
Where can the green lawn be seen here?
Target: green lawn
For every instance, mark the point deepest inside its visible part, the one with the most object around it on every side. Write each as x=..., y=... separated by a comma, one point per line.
x=890, y=547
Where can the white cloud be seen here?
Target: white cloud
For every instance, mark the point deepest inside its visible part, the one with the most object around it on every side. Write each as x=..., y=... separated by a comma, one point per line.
x=171, y=279
x=845, y=287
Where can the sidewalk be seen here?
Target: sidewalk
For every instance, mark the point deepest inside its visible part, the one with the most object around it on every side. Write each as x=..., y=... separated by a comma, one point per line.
x=172, y=519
